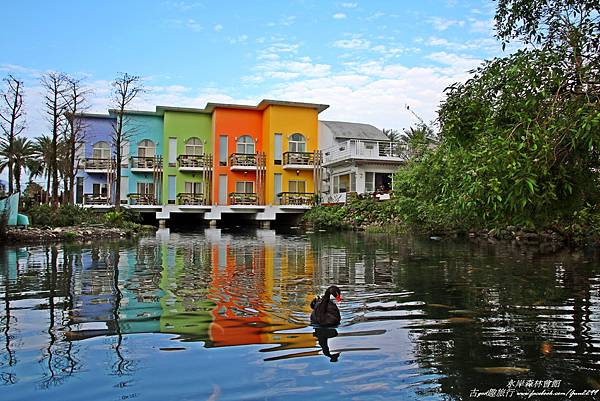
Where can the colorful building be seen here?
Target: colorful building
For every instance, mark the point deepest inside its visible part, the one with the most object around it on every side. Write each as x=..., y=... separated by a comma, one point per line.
x=220, y=159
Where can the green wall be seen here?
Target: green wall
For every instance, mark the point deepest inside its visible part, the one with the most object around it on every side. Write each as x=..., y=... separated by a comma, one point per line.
x=183, y=126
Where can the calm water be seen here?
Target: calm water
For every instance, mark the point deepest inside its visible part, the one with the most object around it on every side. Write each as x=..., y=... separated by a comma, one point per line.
x=224, y=315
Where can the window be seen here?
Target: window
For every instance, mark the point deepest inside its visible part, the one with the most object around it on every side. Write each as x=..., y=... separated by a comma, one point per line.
x=369, y=182
x=172, y=151
x=277, y=154
x=222, y=150
x=146, y=188
x=244, y=187
x=297, y=143
x=146, y=148
x=194, y=146
x=343, y=183
x=193, y=187
x=297, y=186
x=101, y=150
x=171, y=188
x=245, y=145
x=100, y=189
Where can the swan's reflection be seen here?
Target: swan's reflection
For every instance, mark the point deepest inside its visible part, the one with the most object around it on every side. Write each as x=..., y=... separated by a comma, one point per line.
x=323, y=334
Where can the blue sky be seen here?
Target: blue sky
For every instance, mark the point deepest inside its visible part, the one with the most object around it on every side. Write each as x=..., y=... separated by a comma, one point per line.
x=366, y=59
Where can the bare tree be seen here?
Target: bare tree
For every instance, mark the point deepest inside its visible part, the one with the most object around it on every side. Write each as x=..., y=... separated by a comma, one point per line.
x=76, y=102
x=55, y=102
x=125, y=89
x=12, y=119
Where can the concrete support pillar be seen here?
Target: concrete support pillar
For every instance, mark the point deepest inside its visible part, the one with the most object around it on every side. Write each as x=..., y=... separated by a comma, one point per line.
x=212, y=224
x=162, y=223
x=265, y=224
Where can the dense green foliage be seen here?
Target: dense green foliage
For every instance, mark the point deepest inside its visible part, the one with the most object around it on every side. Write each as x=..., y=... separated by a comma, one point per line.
x=69, y=215
x=368, y=214
x=520, y=139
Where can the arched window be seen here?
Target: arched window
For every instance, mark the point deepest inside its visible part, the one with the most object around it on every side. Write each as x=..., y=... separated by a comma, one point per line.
x=194, y=146
x=101, y=150
x=297, y=143
x=245, y=145
x=146, y=148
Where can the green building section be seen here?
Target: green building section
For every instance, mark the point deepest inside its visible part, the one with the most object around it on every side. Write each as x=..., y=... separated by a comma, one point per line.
x=184, y=130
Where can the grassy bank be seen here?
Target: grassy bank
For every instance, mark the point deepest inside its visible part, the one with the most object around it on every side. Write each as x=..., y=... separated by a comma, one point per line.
x=402, y=215
x=74, y=223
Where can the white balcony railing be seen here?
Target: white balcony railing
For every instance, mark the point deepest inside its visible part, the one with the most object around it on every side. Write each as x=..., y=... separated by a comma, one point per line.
x=384, y=151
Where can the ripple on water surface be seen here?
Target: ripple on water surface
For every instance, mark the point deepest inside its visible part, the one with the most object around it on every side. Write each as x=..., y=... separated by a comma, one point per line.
x=224, y=314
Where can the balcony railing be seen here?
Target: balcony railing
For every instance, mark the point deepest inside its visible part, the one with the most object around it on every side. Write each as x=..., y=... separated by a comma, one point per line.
x=95, y=199
x=297, y=198
x=142, y=199
x=190, y=161
x=299, y=159
x=242, y=160
x=149, y=162
x=98, y=164
x=382, y=151
x=240, y=198
x=188, y=198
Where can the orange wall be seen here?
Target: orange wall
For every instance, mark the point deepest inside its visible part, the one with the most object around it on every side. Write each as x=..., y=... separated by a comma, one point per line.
x=234, y=123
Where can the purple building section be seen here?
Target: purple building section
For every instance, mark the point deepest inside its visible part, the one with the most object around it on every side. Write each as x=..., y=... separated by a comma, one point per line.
x=91, y=184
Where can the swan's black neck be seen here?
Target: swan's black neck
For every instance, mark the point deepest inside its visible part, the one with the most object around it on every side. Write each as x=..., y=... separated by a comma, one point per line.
x=325, y=301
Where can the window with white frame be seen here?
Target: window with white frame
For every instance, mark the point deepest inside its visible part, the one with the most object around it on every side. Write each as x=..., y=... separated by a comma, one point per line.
x=245, y=145
x=193, y=187
x=101, y=150
x=194, y=146
x=100, y=189
x=369, y=182
x=297, y=143
x=146, y=148
x=146, y=188
x=244, y=187
x=297, y=186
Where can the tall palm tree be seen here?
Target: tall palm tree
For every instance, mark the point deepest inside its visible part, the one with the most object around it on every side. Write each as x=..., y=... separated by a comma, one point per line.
x=22, y=153
x=43, y=148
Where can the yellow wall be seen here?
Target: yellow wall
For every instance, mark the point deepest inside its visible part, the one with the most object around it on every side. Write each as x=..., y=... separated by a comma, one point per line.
x=288, y=120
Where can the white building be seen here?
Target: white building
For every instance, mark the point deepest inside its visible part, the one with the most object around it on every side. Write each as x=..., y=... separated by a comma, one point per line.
x=357, y=158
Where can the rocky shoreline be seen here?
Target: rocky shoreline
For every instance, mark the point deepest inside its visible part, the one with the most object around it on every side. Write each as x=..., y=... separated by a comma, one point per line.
x=73, y=233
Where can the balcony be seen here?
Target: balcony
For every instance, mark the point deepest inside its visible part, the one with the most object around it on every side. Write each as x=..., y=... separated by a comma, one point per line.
x=241, y=198
x=188, y=198
x=242, y=162
x=137, y=199
x=95, y=199
x=191, y=163
x=296, y=198
x=141, y=164
x=375, y=151
x=98, y=166
x=298, y=160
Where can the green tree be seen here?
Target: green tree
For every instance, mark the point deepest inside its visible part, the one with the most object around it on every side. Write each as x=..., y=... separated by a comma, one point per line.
x=20, y=154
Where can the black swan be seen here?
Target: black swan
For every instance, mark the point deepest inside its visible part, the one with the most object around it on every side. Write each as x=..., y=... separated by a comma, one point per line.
x=325, y=311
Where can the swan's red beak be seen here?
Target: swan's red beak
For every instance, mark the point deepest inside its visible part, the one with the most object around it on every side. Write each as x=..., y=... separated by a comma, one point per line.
x=338, y=298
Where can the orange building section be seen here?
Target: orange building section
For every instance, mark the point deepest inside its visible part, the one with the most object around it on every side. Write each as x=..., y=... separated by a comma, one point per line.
x=234, y=124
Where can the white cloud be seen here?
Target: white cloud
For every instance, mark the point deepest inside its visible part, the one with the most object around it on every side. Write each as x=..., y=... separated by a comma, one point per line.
x=339, y=16
x=355, y=43
x=218, y=28
x=441, y=24
x=238, y=39
x=349, y=5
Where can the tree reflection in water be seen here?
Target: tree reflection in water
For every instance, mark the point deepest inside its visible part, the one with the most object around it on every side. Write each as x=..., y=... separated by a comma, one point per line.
x=441, y=308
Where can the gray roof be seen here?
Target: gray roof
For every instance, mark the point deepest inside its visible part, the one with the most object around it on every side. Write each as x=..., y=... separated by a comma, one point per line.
x=344, y=130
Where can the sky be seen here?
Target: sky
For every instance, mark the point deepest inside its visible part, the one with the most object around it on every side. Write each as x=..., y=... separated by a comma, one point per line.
x=367, y=60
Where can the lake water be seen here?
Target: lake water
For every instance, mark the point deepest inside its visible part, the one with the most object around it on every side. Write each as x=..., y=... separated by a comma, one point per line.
x=224, y=315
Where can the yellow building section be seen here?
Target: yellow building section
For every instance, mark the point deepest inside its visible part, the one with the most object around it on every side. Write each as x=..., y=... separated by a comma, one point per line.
x=286, y=121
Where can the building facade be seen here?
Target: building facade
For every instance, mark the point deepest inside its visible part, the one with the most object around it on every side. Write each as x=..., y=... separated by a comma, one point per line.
x=357, y=158
x=222, y=155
